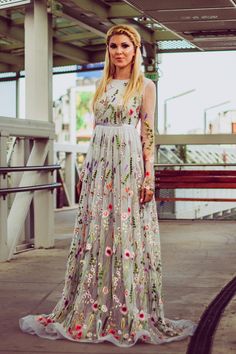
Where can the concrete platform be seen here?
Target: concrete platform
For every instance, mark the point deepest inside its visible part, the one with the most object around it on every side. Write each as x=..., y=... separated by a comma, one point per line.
x=198, y=260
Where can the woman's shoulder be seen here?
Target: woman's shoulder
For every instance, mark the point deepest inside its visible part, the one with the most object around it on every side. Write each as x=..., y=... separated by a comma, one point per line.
x=148, y=86
x=148, y=82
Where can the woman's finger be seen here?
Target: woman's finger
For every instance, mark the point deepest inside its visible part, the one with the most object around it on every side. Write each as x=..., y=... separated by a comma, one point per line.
x=142, y=195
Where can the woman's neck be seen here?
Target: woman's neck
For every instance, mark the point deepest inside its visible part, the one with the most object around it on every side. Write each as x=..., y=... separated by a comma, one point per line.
x=122, y=74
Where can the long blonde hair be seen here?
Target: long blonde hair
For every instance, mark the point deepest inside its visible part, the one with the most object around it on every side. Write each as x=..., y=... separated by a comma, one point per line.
x=136, y=80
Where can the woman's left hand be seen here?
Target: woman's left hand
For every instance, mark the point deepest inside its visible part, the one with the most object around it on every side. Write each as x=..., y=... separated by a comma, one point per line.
x=146, y=194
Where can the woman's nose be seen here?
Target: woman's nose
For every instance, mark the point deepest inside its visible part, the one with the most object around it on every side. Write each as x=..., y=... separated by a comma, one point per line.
x=118, y=49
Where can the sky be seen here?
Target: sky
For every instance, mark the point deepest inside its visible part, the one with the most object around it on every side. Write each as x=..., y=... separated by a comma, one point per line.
x=213, y=77
x=211, y=74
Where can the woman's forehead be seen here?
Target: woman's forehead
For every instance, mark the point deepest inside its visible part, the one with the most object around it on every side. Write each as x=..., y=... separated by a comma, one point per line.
x=119, y=38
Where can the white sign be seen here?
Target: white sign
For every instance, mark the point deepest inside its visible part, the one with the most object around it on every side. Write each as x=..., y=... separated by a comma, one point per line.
x=11, y=3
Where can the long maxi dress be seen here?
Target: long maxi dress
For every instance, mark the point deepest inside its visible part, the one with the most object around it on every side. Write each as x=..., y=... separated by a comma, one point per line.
x=113, y=280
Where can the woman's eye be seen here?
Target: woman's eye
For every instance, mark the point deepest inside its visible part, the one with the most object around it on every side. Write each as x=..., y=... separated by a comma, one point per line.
x=123, y=45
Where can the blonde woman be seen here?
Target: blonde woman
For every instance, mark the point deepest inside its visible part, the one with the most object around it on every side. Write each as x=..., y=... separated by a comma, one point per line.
x=113, y=283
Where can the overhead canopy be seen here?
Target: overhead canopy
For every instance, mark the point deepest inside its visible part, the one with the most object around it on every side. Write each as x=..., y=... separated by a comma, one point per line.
x=79, y=28
x=206, y=24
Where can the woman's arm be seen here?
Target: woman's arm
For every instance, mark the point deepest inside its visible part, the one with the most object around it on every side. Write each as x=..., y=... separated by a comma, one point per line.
x=147, y=133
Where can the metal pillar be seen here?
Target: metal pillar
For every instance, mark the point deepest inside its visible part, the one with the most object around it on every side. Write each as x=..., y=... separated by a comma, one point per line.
x=17, y=94
x=38, y=81
x=38, y=61
x=3, y=202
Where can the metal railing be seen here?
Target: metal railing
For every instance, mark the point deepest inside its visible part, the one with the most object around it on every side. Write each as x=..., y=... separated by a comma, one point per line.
x=26, y=216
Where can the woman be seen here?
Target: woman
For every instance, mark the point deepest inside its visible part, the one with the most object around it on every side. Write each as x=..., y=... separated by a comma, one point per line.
x=113, y=281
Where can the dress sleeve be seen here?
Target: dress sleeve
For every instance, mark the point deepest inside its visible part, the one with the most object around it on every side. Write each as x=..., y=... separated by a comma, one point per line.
x=147, y=132
x=94, y=119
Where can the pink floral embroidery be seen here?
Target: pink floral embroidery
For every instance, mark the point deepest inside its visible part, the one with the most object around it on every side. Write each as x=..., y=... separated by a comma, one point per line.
x=105, y=213
x=127, y=254
x=144, y=337
x=129, y=191
x=95, y=306
x=124, y=309
x=141, y=315
x=105, y=290
x=131, y=111
x=124, y=215
x=108, y=251
x=45, y=320
x=79, y=334
x=109, y=186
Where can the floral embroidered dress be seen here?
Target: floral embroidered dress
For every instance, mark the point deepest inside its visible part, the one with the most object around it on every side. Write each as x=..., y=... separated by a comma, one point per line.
x=113, y=281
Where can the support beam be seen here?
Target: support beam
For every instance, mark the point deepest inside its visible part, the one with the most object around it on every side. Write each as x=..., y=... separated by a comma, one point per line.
x=97, y=57
x=61, y=61
x=75, y=36
x=22, y=201
x=123, y=10
x=27, y=128
x=9, y=30
x=5, y=67
x=164, y=36
x=195, y=139
x=95, y=47
x=44, y=208
x=74, y=53
x=12, y=59
x=93, y=8
x=88, y=23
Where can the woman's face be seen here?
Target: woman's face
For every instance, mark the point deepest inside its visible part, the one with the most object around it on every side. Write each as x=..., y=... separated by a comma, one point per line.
x=121, y=50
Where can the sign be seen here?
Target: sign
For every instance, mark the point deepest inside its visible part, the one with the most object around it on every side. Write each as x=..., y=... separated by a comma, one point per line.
x=12, y=3
x=153, y=75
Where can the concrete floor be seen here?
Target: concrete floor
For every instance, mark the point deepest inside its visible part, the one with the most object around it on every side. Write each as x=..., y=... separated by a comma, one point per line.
x=198, y=260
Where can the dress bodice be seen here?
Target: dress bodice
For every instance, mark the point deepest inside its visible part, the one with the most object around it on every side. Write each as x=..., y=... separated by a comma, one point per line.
x=109, y=108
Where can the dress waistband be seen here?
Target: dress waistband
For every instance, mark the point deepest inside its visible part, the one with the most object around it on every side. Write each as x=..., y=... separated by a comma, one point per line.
x=115, y=124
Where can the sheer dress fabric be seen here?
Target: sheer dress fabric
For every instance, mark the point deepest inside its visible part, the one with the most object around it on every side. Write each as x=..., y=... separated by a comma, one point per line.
x=113, y=280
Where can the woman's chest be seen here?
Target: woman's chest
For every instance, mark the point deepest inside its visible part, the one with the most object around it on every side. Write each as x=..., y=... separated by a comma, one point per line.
x=112, y=103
